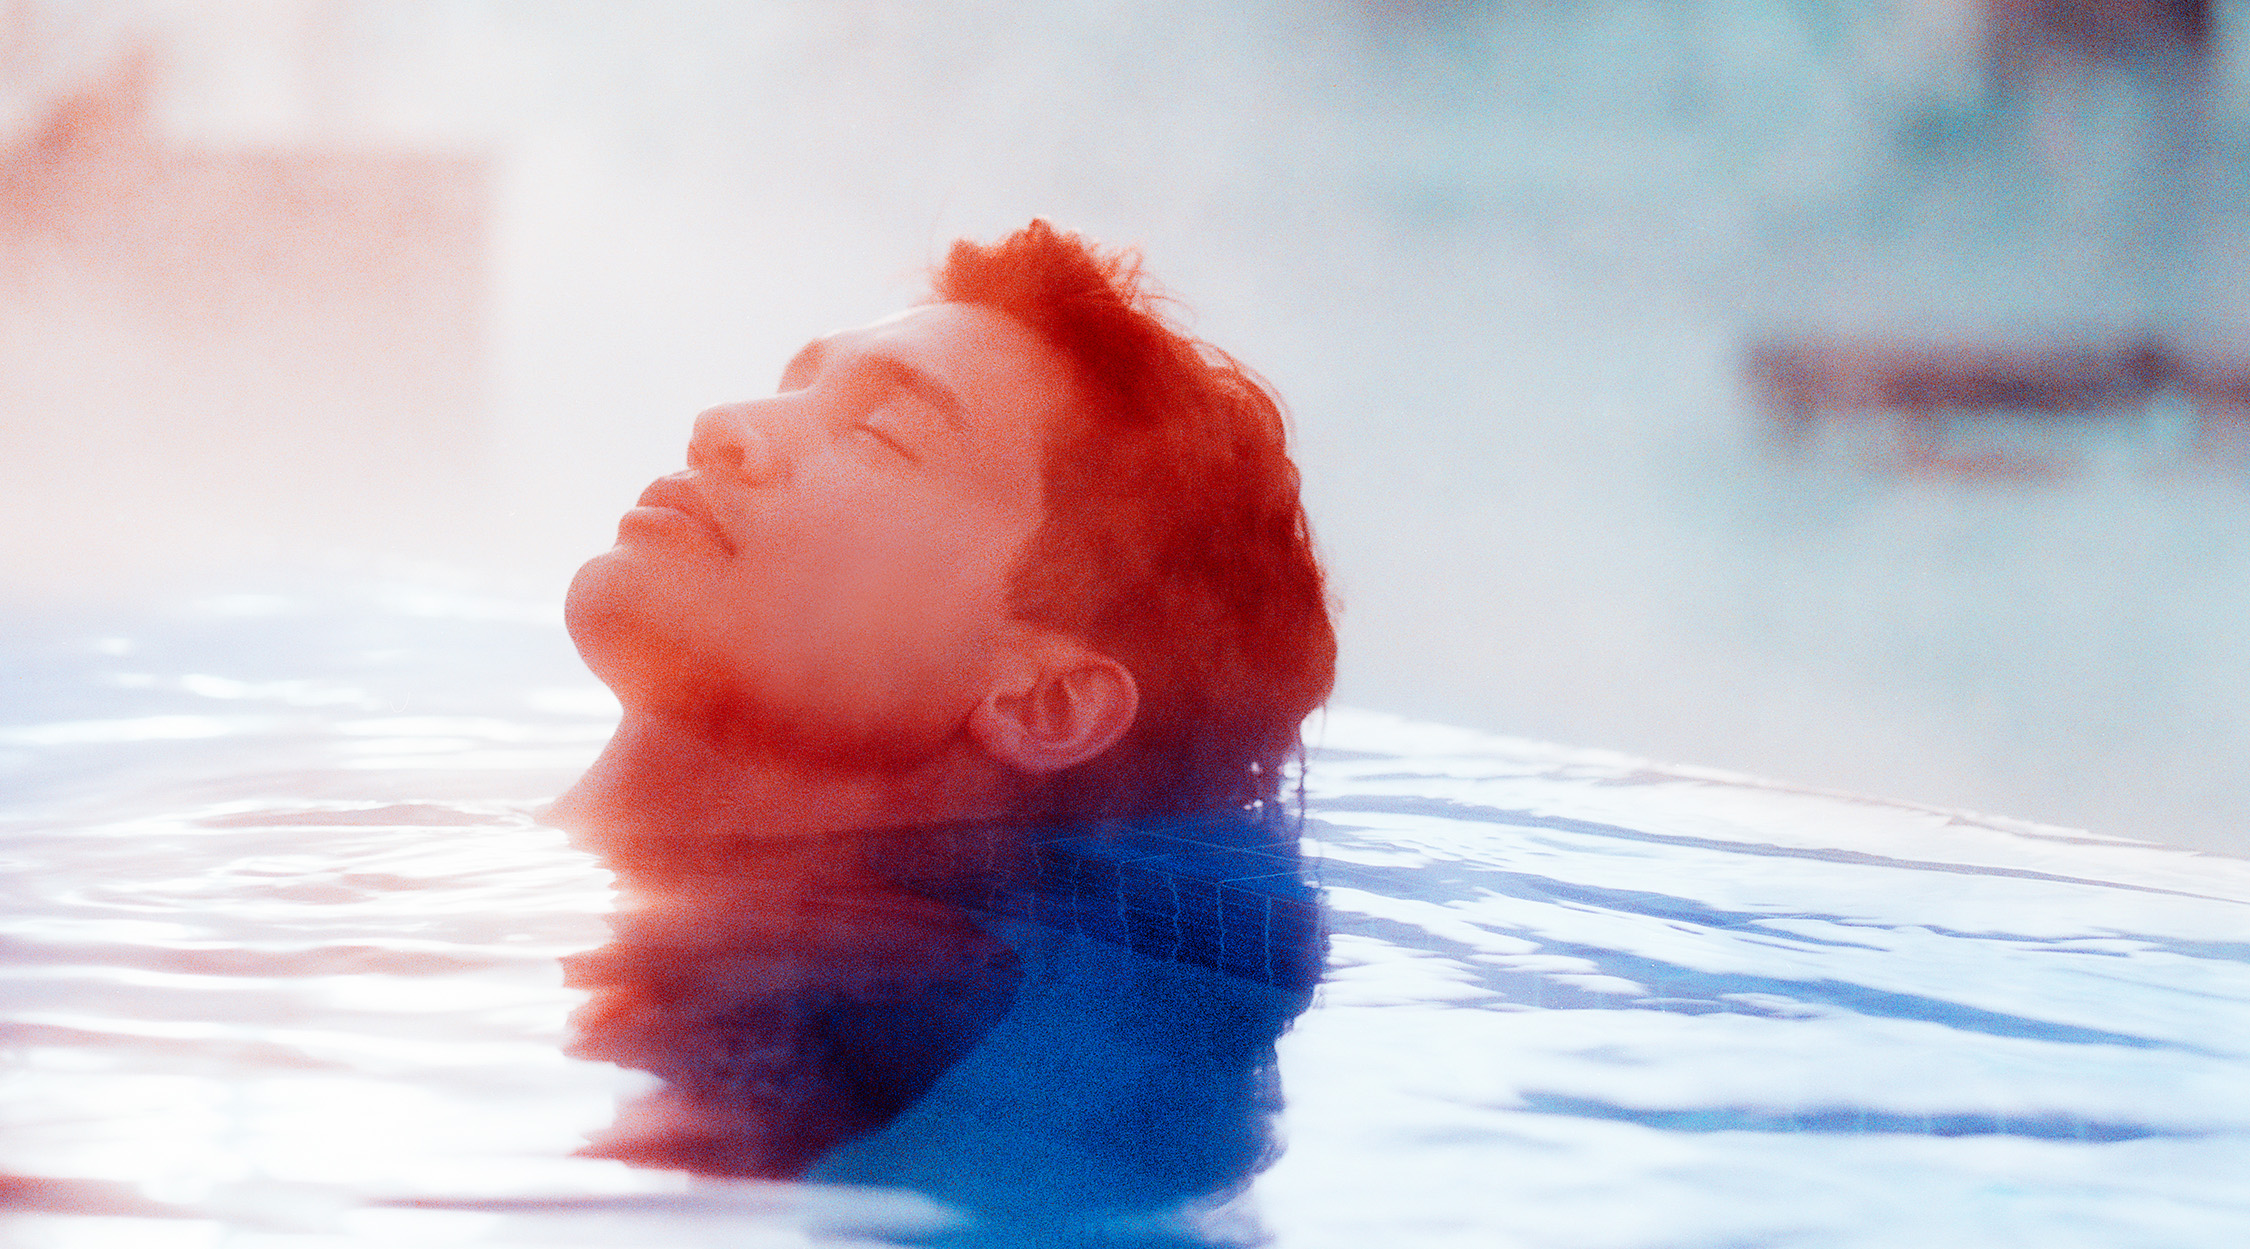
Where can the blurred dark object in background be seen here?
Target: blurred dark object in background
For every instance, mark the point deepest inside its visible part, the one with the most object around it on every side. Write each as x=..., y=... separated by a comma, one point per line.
x=1917, y=389
x=1923, y=389
x=2021, y=34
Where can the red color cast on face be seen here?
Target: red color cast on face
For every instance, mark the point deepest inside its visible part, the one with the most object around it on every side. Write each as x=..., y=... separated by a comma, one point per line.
x=831, y=573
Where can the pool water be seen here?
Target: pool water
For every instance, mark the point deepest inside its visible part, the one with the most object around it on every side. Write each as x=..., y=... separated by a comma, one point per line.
x=282, y=957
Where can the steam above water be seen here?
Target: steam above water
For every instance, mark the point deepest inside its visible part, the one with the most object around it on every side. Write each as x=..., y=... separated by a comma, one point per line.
x=1500, y=264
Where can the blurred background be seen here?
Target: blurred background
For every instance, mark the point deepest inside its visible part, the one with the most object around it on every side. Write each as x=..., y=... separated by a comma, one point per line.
x=1844, y=391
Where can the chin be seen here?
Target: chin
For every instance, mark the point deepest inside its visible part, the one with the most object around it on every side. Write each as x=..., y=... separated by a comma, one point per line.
x=651, y=631
x=595, y=597
x=620, y=619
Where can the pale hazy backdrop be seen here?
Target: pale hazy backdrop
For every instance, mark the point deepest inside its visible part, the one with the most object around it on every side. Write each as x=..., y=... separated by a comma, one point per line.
x=1501, y=260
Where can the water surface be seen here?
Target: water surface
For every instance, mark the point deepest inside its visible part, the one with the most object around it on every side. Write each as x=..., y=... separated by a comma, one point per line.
x=282, y=968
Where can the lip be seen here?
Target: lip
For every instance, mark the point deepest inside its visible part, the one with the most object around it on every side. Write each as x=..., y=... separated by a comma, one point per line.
x=679, y=494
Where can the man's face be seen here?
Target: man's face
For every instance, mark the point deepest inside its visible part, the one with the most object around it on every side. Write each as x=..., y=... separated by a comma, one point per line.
x=831, y=572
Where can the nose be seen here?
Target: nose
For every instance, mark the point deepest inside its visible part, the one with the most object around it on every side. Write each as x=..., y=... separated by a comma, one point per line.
x=738, y=438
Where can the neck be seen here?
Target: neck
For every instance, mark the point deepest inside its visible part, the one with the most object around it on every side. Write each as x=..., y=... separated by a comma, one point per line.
x=661, y=785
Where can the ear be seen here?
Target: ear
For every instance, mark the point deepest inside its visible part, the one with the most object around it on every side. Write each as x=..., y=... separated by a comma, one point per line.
x=1059, y=703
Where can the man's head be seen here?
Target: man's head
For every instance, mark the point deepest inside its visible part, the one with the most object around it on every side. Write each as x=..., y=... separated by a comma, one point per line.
x=1027, y=523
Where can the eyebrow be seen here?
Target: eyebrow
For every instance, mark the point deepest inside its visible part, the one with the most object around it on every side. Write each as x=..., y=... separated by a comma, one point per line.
x=929, y=389
x=925, y=387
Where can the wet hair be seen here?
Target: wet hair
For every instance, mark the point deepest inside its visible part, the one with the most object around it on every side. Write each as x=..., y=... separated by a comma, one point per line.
x=1174, y=540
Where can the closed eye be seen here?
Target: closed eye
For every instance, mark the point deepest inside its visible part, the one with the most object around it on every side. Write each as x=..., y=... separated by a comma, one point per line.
x=889, y=441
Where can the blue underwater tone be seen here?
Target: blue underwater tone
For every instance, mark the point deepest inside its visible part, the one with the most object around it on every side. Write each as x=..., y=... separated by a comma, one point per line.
x=283, y=955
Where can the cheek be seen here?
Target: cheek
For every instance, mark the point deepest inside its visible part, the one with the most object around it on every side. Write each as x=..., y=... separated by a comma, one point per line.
x=907, y=563
x=907, y=605
x=875, y=611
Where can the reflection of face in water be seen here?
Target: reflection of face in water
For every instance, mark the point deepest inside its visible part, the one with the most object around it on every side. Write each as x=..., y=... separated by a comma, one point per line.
x=1043, y=1033
x=790, y=1005
x=957, y=679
